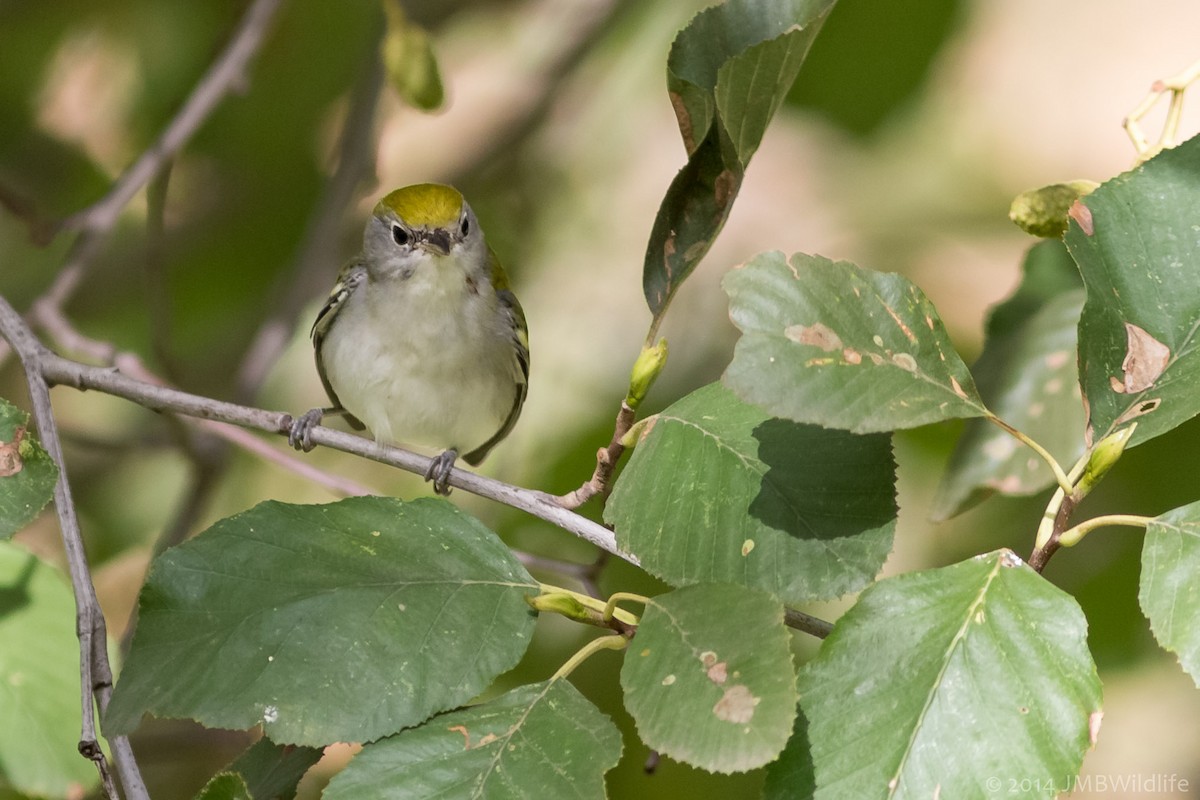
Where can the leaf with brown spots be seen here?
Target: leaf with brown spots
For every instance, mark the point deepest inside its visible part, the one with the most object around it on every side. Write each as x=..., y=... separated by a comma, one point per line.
x=1139, y=334
x=710, y=681
x=727, y=73
x=836, y=345
x=27, y=474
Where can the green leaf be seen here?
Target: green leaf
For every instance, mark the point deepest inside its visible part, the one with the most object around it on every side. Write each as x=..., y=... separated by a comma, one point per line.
x=27, y=474
x=727, y=73
x=39, y=681
x=538, y=741
x=709, y=678
x=272, y=770
x=954, y=682
x=717, y=491
x=340, y=622
x=1140, y=259
x=225, y=786
x=790, y=777
x=1027, y=375
x=835, y=345
x=1169, y=592
x=409, y=60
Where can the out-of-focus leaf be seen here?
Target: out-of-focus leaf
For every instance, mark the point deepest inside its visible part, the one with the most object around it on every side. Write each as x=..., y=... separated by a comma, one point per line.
x=27, y=474
x=709, y=677
x=1136, y=242
x=339, y=622
x=39, y=681
x=832, y=344
x=1027, y=375
x=962, y=681
x=718, y=491
x=272, y=770
x=408, y=57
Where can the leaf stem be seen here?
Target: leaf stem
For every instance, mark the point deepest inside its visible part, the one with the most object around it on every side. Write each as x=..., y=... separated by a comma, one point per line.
x=1072, y=536
x=594, y=604
x=613, y=642
x=610, y=608
x=1060, y=477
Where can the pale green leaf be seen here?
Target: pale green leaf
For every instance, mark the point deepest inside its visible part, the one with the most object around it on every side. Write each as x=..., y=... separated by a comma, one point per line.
x=27, y=474
x=953, y=682
x=39, y=681
x=832, y=344
x=1170, y=591
x=709, y=677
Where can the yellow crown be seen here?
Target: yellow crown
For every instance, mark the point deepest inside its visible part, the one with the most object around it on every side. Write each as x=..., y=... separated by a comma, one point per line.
x=430, y=205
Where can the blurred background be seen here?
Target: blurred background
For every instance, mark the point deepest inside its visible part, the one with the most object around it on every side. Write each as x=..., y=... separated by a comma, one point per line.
x=911, y=127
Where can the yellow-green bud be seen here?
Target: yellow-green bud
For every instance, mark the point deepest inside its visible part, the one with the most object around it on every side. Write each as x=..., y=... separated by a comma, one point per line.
x=564, y=604
x=1043, y=212
x=638, y=431
x=1104, y=456
x=649, y=363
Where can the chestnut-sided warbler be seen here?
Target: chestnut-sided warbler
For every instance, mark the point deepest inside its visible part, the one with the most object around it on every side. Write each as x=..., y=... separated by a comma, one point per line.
x=421, y=338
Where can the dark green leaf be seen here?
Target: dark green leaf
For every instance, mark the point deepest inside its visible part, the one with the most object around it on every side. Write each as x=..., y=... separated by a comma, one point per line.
x=1170, y=591
x=225, y=786
x=717, y=491
x=727, y=73
x=954, y=682
x=835, y=345
x=39, y=680
x=341, y=622
x=1139, y=252
x=709, y=677
x=790, y=777
x=271, y=771
x=1027, y=375
x=27, y=474
x=539, y=741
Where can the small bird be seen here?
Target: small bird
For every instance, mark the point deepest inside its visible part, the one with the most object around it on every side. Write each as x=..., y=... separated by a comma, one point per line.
x=421, y=339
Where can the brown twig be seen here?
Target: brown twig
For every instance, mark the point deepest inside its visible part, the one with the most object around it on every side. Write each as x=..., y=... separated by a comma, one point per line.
x=600, y=484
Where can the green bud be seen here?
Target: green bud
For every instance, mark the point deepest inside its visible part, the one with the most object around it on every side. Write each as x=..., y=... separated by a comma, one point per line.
x=1103, y=456
x=561, y=603
x=1043, y=212
x=638, y=431
x=409, y=60
x=645, y=370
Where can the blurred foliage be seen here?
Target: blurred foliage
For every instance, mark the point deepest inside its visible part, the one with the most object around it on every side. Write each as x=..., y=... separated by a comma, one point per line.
x=242, y=192
x=872, y=59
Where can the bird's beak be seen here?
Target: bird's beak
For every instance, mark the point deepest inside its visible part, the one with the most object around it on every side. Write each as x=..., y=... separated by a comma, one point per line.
x=436, y=241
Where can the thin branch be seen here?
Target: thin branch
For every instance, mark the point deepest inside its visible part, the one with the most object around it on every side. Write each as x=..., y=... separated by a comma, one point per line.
x=96, y=221
x=95, y=671
x=600, y=484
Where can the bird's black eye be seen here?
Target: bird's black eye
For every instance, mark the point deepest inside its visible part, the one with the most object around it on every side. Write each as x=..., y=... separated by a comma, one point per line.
x=400, y=235
x=465, y=227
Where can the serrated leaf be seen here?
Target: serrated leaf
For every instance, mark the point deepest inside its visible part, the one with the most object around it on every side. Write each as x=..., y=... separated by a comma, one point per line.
x=1027, y=375
x=338, y=622
x=832, y=344
x=537, y=741
x=271, y=770
x=709, y=680
x=27, y=474
x=1169, y=592
x=1137, y=244
x=717, y=491
x=225, y=786
x=39, y=681
x=727, y=73
x=949, y=682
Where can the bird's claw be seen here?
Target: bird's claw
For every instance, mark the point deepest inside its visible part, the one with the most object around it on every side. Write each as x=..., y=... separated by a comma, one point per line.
x=439, y=472
x=300, y=435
